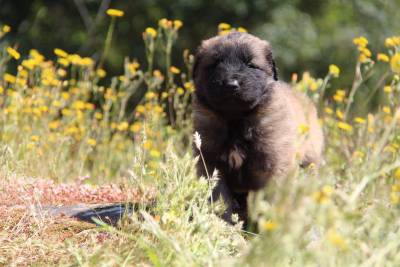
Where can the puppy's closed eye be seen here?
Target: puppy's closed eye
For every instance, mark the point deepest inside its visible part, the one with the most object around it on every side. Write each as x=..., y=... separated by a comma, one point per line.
x=253, y=66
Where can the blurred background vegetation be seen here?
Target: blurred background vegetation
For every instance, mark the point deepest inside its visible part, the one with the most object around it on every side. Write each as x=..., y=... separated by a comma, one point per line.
x=305, y=34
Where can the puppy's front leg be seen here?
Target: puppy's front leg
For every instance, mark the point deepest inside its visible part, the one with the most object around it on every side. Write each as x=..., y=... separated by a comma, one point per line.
x=221, y=190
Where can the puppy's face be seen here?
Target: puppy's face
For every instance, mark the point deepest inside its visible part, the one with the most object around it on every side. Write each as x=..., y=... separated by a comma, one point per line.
x=233, y=73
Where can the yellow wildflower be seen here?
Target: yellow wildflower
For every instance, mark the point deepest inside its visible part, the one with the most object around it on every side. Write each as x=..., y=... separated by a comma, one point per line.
x=79, y=104
x=387, y=89
x=1, y=90
x=65, y=95
x=59, y=52
x=269, y=225
x=158, y=109
x=386, y=109
x=164, y=95
x=362, y=58
x=74, y=59
x=395, y=188
x=140, y=109
x=155, y=153
x=61, y=72
x=174, y=70
x=98, y=115
x=338, y=98
x=54, y=124
x=188, y=85
x=336, y=239
x=177, y=24
x=114, y=12
x=63, y=61
x=101, y=73
x=6, y=29
x=86, y=61
x=395, y=63
x=150, y=95
x=324, y=194
x=359, y=120
x=241, y=29
x=365, y=51
x=56, y=103
x=30, y=145
x=9, y=78
x=91, y=142
x=34, y=138
x=339, y=114
x=390, y=42
x=164, y=23
x=39, y=58
x=224, y=26
x=147, y=144
x=29, y=64
x=13, y=53
x=360, y=41
x=123, y=126
x=132, y=67
x=358, y=154
x=328, y=110
x=341, y=92
x=66, y=112
x=150, y=32
x=180, y=91
x=135, y=127
x=157, y=74
x=397, y=174
x=304, y=129
x=224, y=32
x=382, y=57
x=394, y=198
x=344, y=126
x=334, y=70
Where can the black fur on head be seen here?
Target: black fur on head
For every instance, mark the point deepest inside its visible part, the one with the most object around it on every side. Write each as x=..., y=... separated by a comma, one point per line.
x=232, y=73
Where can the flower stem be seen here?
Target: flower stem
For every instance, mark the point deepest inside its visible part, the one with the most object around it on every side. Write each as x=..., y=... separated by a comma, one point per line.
x=107, y=44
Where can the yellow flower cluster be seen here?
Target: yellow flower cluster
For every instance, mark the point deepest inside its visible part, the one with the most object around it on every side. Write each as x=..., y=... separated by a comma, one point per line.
x=323, y=195
x=339, y=96
x=392, y=41
x=307, y=83
x=174, y=24
x=336, y=239
x=365, y=53
x=225, y=28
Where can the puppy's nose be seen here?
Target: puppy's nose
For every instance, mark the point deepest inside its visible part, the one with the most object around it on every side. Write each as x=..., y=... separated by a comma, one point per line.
x=232, y=84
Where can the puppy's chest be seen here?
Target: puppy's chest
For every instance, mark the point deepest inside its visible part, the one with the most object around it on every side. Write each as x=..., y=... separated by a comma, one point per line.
x=238, y=144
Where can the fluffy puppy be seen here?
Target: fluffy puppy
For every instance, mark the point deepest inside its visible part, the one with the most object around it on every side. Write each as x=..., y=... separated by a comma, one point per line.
x=248, y=121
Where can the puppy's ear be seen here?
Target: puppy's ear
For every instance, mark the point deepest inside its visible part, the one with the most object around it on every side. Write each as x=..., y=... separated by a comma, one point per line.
x=271, y=62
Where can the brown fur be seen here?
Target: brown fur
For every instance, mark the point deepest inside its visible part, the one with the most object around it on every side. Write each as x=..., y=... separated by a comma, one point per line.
x=252, y=146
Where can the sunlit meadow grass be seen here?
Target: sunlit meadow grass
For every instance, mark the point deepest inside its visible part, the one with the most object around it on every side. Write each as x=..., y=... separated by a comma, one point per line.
x=63, y=118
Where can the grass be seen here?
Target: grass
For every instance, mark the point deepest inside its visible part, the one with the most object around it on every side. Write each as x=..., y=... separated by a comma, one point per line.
x=62, y=119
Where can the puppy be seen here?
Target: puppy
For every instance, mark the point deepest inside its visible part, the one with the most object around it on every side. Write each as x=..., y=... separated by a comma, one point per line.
x=248, y=121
